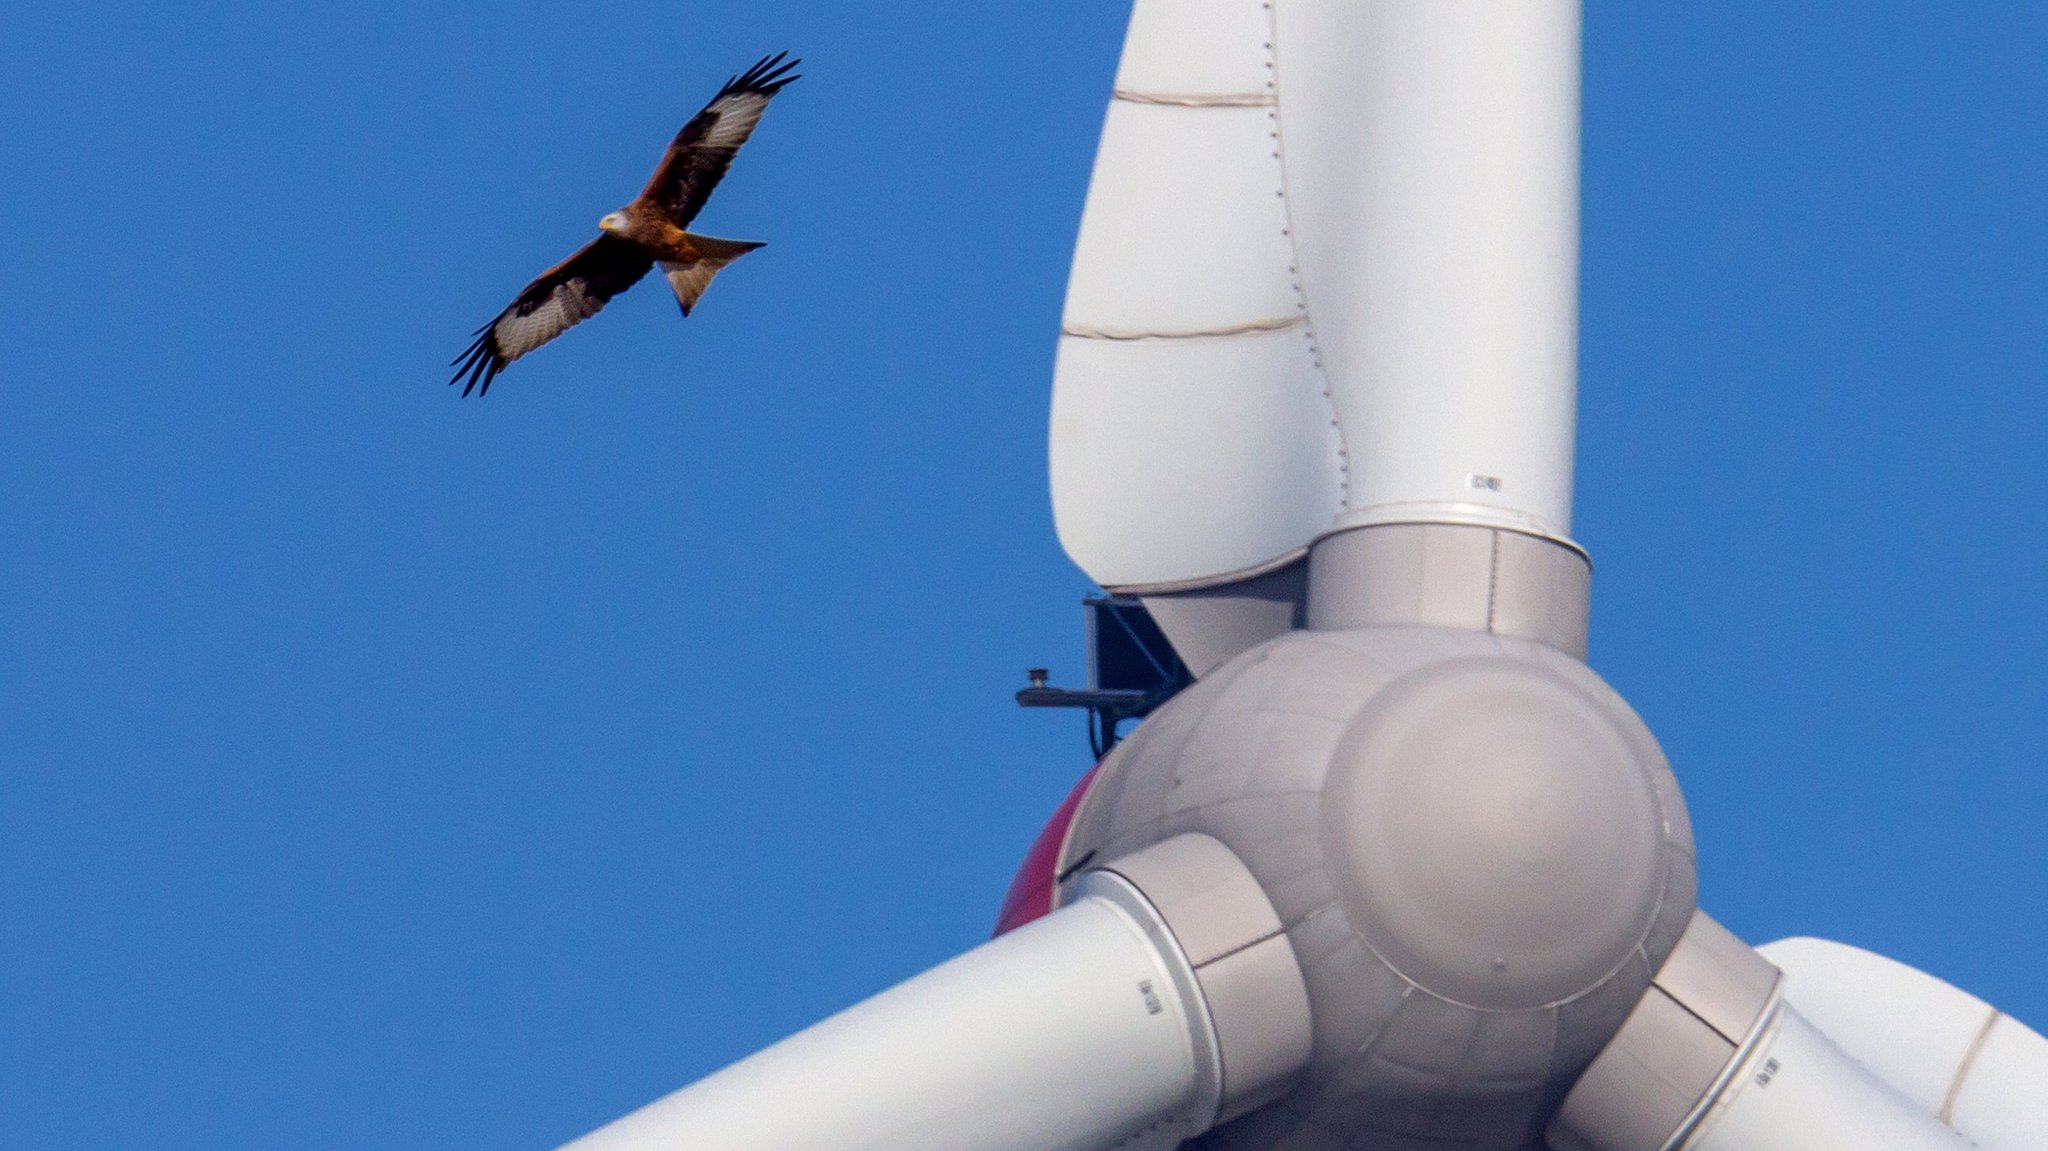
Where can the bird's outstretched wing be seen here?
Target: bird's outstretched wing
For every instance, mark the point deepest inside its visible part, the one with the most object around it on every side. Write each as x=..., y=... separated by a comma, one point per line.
x=559, y=299
x=699, y=155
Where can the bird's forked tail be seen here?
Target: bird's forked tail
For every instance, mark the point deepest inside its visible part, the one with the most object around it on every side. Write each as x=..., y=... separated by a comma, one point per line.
x=689, y=278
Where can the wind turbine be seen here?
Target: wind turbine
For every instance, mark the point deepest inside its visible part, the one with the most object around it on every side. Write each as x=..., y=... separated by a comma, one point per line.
x=1397, y=870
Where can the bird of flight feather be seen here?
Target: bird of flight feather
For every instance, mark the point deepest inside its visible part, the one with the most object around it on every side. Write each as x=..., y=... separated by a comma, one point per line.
x=646, y=232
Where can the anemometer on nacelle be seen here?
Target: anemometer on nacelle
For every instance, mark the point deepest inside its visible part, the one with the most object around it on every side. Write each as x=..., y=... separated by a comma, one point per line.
x=1132, y=669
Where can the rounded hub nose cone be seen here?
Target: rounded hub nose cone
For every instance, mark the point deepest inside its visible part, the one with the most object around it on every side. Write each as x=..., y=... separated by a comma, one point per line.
x=1495, y=834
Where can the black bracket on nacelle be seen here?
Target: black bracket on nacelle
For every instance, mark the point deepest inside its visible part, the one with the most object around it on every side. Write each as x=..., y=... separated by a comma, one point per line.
x=1131, y=670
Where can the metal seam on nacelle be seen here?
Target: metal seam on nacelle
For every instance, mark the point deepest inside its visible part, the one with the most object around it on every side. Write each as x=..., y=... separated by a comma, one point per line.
x=1239, y=948
x=1195, y=99
x=1406, y=996
x=1955, y=1086
x=1248, y=328
x=1747, y=1048
x=1315, y=348
x=1493, y=582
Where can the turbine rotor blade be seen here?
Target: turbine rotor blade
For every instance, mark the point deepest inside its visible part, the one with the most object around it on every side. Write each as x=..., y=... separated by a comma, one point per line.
x=1714, y=1059
x=1087, y=1029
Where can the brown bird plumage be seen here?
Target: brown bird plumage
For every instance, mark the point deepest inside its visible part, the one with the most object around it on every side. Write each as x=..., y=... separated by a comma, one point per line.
x=648, y=231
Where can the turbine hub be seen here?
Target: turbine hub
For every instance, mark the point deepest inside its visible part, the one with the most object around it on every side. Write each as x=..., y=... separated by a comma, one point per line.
x=1477, y=849
x=1497, y=833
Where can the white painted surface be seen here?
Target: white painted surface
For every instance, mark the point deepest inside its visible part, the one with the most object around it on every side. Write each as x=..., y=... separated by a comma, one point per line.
x=1222, y=481
x=1397, y=177
x=1432, y=165
x=1183, y=226
x=1191, y=435
x=2003, y=1101
x=1185, y=46
x=1797, y=1091
x=1950, y=1053
x=1067, y=1034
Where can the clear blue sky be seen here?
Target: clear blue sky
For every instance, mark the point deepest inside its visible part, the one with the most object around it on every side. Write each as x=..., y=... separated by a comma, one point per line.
x=380, y=769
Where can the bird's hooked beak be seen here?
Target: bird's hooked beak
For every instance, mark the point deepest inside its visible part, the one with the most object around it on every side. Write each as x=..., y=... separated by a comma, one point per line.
x=614, y=222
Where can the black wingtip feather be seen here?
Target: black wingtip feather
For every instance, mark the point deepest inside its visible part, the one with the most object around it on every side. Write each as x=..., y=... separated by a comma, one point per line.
x=480, y=362
x=769, y=75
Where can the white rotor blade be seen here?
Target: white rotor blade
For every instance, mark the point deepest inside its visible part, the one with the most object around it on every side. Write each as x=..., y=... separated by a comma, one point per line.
x=1067, y=1034
x=1953, y=1055
x=1715, y=1057
x=1163, y=999
x=1797, y=1091
x=1326, y=277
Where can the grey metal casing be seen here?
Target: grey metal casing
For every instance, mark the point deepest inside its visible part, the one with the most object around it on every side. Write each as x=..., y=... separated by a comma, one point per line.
x=1233, y=943
x=1477, y=851
x=1442, y=575
x=1677, y=1049
x=1452, y=575
x=1209, y=624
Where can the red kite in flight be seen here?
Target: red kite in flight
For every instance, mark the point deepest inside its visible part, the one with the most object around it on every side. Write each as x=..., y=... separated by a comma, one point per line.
x=643, y=233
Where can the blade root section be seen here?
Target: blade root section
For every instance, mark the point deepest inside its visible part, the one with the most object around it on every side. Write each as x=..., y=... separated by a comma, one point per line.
x=1067, y=1034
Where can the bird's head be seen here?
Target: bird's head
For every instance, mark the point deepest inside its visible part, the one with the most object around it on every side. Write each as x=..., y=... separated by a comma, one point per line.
x=615, y=223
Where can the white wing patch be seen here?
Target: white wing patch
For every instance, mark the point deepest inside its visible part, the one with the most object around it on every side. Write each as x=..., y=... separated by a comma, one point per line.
x=565, y=307
x=737, y=116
